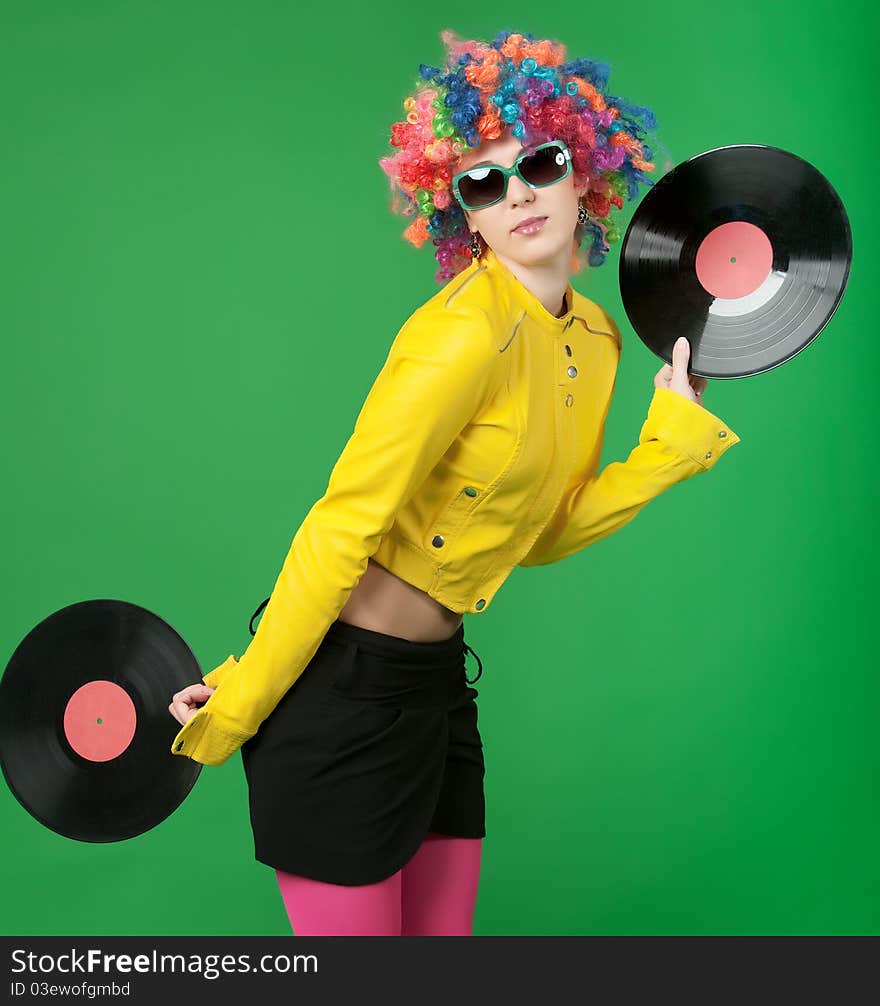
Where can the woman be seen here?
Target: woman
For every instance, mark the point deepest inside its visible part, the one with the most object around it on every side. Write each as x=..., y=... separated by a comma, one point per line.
x=476, y=450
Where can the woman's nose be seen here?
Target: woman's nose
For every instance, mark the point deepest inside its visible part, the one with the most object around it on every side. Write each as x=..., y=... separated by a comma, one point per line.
x=518, y=191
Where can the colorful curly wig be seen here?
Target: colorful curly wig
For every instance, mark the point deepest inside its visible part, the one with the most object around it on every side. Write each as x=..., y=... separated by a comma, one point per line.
x=528, y=86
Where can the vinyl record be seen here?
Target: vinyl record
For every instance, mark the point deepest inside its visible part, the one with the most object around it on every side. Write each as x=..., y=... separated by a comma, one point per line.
x=745, y=250
x=85, y=731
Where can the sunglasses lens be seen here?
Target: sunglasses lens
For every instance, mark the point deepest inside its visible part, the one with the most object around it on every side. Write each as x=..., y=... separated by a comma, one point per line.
x=544, y=166
x=481, y=186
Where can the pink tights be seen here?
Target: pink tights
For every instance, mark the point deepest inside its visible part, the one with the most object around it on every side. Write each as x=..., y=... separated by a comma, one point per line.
x=432, y=895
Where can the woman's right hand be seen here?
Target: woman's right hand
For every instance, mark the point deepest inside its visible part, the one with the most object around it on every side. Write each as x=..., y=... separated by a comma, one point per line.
x=187, y=702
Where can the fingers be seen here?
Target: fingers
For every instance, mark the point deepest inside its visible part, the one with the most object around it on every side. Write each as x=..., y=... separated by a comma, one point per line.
x=180, y=707
x=663, y=376
x=183, y=703
x=199, y=690
x=681, y=354
x=681, y=381
x=676, y=376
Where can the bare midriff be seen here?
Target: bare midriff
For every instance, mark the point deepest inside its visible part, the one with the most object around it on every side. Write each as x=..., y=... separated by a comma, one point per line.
x=383, y=602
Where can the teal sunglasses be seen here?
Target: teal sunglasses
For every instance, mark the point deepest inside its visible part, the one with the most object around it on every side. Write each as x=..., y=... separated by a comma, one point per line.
x=486, y=185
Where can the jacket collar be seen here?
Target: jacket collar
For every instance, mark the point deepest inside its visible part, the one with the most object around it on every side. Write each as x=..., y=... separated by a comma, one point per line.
x=578, y=308
x=525, y=299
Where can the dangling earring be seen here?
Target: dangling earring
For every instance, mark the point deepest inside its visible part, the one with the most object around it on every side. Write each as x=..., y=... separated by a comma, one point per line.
x=583, y=216
x=475, y=246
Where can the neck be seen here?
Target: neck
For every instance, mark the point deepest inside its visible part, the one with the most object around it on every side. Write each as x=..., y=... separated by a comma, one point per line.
x=546, y=280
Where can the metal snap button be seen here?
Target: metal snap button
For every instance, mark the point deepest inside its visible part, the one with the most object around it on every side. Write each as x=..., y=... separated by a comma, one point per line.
x=567, y=350
x=569, y=399
x=572, y=372
x=481, y=604
x=437, y=540
x=723, y=434
x=708, y=455
x=179, y=745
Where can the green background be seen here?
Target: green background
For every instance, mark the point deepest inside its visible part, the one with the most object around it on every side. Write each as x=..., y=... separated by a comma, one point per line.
x=201, y=280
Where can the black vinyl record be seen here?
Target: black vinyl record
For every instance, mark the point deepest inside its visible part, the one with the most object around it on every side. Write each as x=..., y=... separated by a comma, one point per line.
x=745, y=250
x=85, y=731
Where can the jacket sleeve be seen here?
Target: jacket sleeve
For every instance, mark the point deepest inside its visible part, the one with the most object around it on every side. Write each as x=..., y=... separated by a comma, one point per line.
x=434, y=380
x=678, y=439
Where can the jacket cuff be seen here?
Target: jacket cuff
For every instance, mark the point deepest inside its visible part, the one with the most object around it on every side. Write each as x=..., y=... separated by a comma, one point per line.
x=690, y=429
x=209, y=737
x=213, y=678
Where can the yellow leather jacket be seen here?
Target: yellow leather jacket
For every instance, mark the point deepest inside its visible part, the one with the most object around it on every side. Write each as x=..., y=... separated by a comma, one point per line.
x=476, y=450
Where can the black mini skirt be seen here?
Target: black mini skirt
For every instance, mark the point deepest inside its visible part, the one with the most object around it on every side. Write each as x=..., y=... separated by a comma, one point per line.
x=375, y=744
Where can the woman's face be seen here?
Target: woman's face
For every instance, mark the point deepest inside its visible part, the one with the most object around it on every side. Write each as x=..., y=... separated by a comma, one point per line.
x=558, y=203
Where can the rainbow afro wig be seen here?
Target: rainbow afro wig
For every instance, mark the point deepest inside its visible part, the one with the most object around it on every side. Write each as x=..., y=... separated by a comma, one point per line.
x=531, y=88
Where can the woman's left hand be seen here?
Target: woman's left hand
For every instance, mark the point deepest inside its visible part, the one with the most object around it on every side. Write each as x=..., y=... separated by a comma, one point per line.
x=677, y=378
